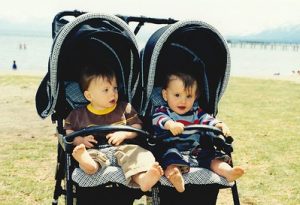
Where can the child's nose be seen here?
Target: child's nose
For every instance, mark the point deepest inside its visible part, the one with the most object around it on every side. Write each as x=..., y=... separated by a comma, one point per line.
x=183, y=100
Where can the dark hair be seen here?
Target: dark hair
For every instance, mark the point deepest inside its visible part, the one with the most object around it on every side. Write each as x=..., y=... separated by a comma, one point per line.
x=91, y=71
x=188, y=81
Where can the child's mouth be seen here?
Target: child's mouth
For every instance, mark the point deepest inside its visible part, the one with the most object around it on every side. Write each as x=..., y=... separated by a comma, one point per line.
x=112, y=101
x=181, y=107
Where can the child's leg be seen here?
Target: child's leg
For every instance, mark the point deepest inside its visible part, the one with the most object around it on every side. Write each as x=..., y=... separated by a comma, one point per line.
x=225, y=170
x=148, y=179
x=175, y=177
x=86, y=163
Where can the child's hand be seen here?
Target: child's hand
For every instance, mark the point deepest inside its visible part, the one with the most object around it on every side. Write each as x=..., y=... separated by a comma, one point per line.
x=116, y=138
x=87, y=141
x=176, y=128
x=223, y=127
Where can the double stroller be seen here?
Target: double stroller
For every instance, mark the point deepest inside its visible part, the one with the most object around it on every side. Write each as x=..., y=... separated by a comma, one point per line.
x=80, y=36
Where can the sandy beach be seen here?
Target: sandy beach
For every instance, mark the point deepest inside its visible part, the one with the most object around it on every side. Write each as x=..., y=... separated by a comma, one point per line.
x=17, y=106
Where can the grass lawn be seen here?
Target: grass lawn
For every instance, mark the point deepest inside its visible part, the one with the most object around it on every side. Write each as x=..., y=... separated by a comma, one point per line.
x=264, y=118
x=263, y=115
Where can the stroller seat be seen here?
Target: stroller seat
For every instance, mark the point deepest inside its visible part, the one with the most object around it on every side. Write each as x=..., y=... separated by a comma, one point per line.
x=114, y=174
x=196, y=175
x=110, y=174
x=198, y=49
x=89, y=36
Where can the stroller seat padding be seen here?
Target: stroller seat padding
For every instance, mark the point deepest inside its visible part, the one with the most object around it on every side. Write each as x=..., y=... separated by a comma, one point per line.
x=110, y=174
x=198, y=175
x=115, y=174
x=74, y=95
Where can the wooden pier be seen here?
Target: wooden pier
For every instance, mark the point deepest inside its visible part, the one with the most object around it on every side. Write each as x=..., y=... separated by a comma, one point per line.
x=264, y=45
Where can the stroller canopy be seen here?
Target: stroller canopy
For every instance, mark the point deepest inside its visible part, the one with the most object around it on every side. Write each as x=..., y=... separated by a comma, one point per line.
x=193, y=47
x=103, y=39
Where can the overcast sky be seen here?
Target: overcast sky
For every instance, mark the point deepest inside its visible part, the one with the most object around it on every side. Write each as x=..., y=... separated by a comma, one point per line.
x=230, y=17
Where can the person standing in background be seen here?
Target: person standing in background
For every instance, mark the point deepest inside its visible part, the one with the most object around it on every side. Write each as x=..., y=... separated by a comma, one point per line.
x=14, y=66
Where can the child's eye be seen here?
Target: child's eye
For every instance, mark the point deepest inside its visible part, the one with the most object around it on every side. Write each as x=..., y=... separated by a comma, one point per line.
x=105, y=90
x=177, y=95
x=115, y=88
x=189, y=96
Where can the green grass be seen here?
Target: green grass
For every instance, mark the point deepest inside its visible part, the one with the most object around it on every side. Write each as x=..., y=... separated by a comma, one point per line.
x=26, y=176
x=263, y=116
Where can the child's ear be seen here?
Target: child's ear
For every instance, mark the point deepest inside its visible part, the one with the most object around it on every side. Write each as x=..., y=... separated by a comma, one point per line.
x=87, y=95
x=164, y=95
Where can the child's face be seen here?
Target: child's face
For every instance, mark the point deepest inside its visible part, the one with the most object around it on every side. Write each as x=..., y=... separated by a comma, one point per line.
x=179, y=99
x=101, y=93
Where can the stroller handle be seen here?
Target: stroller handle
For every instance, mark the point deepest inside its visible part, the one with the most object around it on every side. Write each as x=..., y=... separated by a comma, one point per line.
x=144, y=19
x=217, y=136
x=58, y=20
x=196, y=128
x=203, y=128
x=102, y=129
x=216, y=131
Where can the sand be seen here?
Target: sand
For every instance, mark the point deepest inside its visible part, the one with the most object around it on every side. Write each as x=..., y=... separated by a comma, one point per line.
x=17, y=107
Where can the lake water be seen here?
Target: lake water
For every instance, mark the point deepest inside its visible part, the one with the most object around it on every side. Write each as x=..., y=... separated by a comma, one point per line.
x=244, y=61
x=32, y=59
x=265, y=62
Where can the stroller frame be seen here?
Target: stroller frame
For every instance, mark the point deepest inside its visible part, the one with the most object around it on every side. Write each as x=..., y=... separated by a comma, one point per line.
x=65, y=165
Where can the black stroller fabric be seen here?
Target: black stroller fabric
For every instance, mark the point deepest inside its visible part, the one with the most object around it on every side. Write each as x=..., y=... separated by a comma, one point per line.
x=193, y=47
x=90, y=37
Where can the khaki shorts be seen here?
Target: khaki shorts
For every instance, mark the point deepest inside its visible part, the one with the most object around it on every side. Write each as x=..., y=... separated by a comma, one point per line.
x=133, y=159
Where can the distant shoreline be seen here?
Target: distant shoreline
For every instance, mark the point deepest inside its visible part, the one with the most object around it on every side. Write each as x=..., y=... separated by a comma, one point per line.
x=293, y=77
x=22, y=73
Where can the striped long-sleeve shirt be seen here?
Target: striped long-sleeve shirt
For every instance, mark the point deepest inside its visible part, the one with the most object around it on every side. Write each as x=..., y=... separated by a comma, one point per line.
x=195, y=116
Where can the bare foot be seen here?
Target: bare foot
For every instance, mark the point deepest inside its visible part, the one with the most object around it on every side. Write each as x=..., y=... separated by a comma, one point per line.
x=86, y=163
x=148, y=179
x=235, y=173
x=176, y=179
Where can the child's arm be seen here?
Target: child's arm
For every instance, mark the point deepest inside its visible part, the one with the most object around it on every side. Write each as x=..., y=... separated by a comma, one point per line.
x=117, y=138
x=162, y=120
x=225, y=129
x=208, y=119
x=87, y=140
x=176, y=128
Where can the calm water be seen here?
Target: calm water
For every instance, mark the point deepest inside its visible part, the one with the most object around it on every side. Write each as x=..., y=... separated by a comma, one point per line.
x=244, y=61
x=32, y=59
x=264, y=62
